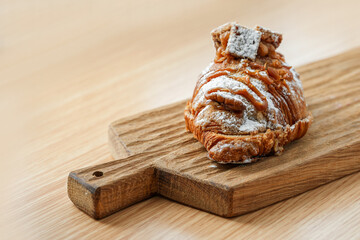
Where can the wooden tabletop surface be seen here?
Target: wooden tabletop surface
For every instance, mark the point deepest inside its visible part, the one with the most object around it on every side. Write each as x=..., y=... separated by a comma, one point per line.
x=69, y=68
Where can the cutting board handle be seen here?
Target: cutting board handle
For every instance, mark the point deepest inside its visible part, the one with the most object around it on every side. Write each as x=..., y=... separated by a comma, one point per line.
x=106, y=188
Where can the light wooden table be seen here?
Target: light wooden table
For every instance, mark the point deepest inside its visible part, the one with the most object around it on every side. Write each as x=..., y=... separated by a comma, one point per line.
x=69, y=68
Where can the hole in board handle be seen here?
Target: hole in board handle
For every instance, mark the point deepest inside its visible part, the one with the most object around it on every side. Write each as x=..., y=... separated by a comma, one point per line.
x=98, y=173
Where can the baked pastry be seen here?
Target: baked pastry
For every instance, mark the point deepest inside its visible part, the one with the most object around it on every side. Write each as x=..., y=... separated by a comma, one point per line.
x=248, y=102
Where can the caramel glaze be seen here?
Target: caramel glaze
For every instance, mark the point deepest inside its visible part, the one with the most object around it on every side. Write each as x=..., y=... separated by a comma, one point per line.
x=276, y=80
x=221, y=54
x=261, y=106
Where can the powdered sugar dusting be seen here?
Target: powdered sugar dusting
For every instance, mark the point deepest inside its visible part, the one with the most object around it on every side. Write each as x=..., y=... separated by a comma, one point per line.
x=252, y=120
x=243, y=42
x=226, y=83
x=228, y=121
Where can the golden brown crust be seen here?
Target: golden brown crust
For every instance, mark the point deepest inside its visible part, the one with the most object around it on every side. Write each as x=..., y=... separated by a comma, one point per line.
x=243, y=148
x=275, y=105
x=217, y=32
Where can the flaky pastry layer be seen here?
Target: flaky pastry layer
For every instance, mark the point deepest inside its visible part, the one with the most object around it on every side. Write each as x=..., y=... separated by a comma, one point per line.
x=248, y=103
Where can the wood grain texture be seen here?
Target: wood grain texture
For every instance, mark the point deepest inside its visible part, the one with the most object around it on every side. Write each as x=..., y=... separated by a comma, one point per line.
x=69, y=68
x=165, y=159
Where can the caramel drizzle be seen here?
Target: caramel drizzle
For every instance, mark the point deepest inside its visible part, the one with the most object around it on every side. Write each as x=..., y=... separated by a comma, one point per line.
x=275, y=79
x=283, y=102
x=259, y=105
x=220, y=52
x=215, y=74
x=256, y=74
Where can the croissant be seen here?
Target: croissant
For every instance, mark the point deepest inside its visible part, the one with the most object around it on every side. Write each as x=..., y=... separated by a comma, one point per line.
x=248, y=102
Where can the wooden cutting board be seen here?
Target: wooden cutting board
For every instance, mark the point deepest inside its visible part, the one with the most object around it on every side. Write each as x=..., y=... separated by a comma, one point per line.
x=157, y=156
